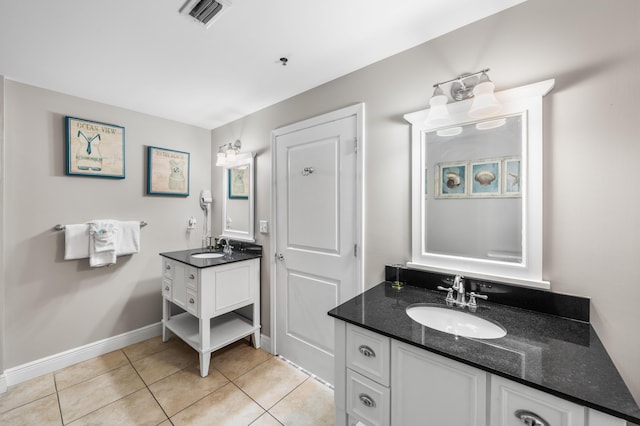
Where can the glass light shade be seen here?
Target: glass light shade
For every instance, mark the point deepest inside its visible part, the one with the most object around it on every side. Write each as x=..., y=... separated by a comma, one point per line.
x=484, y=101
x=438, y=112
x=491, y=124
x=451, y=131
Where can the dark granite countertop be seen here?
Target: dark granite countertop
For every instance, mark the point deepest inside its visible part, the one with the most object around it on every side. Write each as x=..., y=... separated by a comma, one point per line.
x=246, y=252
x=560, y=356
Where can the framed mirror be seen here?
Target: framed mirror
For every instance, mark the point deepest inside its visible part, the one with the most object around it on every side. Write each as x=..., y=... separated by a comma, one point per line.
x=238, y=204
x=477, y=190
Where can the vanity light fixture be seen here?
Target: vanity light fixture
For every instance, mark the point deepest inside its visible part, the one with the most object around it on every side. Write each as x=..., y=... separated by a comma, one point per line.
x=227, y=152
x=476, y=85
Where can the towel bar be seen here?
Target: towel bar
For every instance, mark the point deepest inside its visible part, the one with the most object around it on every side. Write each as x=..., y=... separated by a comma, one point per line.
x=61, y=227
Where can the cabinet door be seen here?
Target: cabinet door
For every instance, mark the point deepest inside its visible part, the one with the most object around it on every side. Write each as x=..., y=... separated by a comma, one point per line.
x=428, y=389
x=596, y=418
x=511, y=401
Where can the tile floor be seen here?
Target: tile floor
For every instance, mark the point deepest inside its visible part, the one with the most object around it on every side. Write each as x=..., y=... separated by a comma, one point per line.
x=155, y=383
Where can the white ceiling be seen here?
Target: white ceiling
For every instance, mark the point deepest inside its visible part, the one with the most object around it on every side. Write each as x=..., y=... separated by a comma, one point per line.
x=145, y=56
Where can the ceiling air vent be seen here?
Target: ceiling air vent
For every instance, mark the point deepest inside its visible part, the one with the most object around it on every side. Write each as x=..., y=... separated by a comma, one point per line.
x=205, y=11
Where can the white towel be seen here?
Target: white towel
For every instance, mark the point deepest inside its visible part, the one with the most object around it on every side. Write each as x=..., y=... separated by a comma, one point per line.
x=102, y=245
x=127, y=237
x=76, y=241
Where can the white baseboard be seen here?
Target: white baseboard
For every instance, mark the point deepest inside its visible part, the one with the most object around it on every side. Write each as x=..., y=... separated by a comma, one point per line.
x=31, y=370
x=265, y=343
x=22, y=373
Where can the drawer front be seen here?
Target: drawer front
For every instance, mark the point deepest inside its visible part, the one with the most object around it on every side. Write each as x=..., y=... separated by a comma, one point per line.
x=513, y=404
x=167, y=283
x=191, y=277
x=368, y=353
x=367, y=401
x=192, y=302
x=167, y=268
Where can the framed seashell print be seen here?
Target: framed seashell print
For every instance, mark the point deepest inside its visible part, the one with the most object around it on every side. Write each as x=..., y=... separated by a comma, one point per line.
x=512, y=177
x=452, y=181
x=485, y=178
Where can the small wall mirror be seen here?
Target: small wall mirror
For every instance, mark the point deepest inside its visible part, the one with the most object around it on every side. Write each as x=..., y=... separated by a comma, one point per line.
x=477, y=190
x=238, y=205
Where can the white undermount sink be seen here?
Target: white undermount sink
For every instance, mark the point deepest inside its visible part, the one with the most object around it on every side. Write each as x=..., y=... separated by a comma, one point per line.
x=207, y=255
x=456, y=322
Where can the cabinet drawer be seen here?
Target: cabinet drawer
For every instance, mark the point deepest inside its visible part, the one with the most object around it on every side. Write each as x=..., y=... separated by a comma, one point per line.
x=191, y=278
x=192, y=302
x=367, y=401
x=511, y=400
x=167, y=283
x=368, y=353
x=167, y=268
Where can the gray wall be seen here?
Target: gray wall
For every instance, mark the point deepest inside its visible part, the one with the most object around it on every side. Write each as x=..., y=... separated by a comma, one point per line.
x=592, y=209
x=52, y=305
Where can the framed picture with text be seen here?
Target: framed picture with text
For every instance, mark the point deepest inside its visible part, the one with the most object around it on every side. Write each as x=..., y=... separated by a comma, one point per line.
x=167, y=172
x=94, y=149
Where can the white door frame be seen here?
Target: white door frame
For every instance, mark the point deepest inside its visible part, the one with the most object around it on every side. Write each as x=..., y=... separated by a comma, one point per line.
x=356, y=110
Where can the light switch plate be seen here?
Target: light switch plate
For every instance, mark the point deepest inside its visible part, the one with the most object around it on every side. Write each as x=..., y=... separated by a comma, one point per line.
x=264, y=227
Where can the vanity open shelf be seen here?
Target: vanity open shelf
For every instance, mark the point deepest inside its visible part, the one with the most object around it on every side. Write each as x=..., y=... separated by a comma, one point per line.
x=223, y=330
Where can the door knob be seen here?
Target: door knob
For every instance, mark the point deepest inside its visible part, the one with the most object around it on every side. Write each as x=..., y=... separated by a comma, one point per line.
x=279, y=256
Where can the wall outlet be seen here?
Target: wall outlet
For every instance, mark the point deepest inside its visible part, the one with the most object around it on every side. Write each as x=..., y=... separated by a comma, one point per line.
x=264, y=227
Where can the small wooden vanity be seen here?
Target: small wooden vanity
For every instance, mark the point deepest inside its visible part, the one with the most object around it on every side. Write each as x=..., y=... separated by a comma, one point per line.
x=220, y=298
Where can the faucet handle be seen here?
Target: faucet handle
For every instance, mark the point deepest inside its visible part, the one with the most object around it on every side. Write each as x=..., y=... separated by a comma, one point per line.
x=449, y=291
x=472, y=299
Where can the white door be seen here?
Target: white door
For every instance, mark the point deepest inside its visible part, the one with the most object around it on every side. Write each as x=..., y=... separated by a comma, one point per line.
x=317, y=228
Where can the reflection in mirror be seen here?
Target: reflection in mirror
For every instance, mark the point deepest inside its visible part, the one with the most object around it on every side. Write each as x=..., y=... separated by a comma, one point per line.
x=477, y=190
x=473, y=203
x=237, y=210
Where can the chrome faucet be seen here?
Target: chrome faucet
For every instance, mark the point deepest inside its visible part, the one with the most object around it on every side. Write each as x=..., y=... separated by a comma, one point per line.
x=227, y=248
x=458, y=287
x=460, y=299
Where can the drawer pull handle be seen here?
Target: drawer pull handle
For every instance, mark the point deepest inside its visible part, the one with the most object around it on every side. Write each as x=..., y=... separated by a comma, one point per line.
x=167, y=288
x=367, y=351
x=191, y=300
x=168, y=267
x=191, y=276
x=530, y=419
x=367, y=400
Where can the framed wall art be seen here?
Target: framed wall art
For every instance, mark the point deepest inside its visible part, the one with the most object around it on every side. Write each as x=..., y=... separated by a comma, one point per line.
x=485, y=178
x=238, y=179
x=512, y=177
x=94, y=149
x=167, y=172
x=452, y=182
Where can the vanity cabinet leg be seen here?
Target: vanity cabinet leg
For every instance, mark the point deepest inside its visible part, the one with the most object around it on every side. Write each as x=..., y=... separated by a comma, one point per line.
x=205, y=360
x=205, y=343
x=166, y=308
x=256, y=323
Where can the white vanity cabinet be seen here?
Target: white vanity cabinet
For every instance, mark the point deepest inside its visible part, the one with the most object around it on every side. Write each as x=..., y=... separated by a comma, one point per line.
x=212, y=298
x=382, y=381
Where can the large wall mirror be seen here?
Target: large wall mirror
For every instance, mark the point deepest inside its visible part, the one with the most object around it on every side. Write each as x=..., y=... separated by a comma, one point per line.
x=238, y=205
x=477, y=190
